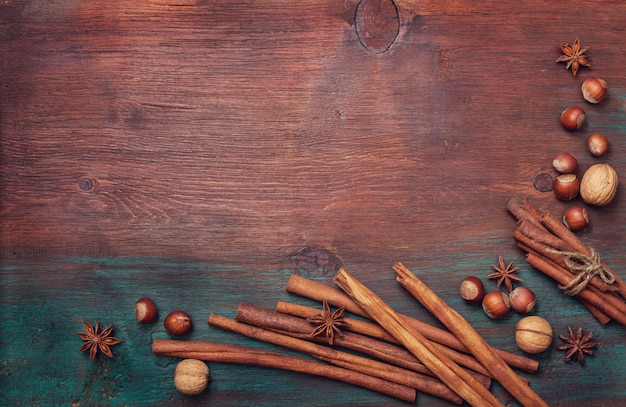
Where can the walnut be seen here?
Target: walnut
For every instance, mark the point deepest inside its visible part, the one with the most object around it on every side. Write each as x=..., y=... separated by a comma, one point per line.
x=599, y=184
x=533, y=334
x=191, y=377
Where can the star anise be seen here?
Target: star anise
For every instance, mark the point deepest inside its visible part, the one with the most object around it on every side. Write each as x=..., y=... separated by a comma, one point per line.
x=97, y=339
x=574, y=56
x=329, y=322
x=577, y=345
x=504, y=274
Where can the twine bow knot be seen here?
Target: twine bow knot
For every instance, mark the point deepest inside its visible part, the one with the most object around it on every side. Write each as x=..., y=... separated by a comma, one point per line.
x=584, y=268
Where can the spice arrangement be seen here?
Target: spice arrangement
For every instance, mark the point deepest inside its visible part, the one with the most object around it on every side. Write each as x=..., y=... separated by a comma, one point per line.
x=552, y=245
x=497, y=304
x=396, y=355
x=399, y=356
x=557, y=252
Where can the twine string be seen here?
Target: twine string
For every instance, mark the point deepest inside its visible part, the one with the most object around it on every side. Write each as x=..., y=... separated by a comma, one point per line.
x=584, y=268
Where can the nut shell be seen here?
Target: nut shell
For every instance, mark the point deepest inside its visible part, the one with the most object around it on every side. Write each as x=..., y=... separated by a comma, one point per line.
x=598, y=144
x=496, y=304
x=576, y=218
x=565, y=163
x=191, y=376
x=533, y=334
x=177, y=323
x=599, y=184
x=566, y=187
x=594, y=90
x=472, y=289
x=522, y=300
x=146, y=311
x=573, y=118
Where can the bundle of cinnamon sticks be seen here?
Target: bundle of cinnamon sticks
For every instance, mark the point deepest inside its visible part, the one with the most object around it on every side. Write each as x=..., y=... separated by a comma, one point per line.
x=557, y=252
x=396, y=356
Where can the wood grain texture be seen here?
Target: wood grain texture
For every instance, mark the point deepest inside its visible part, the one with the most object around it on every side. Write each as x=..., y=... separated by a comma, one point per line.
x=177, y=147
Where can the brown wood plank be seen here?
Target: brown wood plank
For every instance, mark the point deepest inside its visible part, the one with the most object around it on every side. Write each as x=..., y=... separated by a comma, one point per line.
x=297, y=135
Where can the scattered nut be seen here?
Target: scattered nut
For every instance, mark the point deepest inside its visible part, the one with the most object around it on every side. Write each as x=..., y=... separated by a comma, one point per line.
x=594, y=90
x=573, y=118
x=597, y=144
x=177, y=323
x=599, y=184
x=565, y=163
x=496, y=304
x=146, y=311
x=566, y=187
x=522, y=300
x=191, y=376
x=576, y=218
x=533, y=334
x=472, y=289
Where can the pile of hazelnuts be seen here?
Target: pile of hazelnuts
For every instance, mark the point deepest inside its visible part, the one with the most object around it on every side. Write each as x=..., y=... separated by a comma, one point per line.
x=533, y=334
x=176, y=323
x=599, y=182
x=497, y=304
x=192, y=375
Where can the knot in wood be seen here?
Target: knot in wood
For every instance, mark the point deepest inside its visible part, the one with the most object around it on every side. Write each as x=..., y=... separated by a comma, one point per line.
x=377, y=24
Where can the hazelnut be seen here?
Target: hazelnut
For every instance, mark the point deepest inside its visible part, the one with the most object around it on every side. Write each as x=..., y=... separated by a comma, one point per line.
x=472, y=289
x=565, y=163
x=566, y=187
x=533, y=334
x=146, y=311
x=496, y=304
x=576, y=218
x=191, y=376
x=177, y=323
x=522, y=300
x=597, y=144
x=594, y=90
x=573, y=118
x=599, y=184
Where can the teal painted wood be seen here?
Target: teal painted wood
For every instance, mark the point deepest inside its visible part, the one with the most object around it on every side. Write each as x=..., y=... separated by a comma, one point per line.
x=42, y=306
x=223, y=136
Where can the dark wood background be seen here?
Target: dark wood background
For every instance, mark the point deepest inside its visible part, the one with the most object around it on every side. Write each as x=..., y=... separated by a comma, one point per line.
x=200, y=151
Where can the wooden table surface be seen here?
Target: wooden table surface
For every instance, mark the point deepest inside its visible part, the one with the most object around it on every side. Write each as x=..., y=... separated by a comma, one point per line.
x=199, y=152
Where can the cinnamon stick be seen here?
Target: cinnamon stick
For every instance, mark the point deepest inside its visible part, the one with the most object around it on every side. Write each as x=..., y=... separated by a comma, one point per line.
x=322, y=292
x=536, y=245
x=387, y=352
x=379, y=369
x=540, y=235
x=425, y=384
x=548, y=240
x=449, y=372
x=559, y=229
x=599, y=315
x=521, y=209
x=594, y=298
x=436, y=388
x=470, y=338
x=217, y=352
x=550, y=254
x=356, y=325
x=611, y=300
x=301, y=329
x=381, y=350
